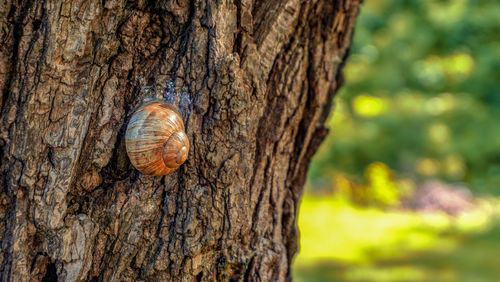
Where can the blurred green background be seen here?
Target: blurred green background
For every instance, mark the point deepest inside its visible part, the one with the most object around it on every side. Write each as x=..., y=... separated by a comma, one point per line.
x=406, y=187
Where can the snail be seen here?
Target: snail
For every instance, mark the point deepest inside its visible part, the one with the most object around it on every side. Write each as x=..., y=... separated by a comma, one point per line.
x=155, y=139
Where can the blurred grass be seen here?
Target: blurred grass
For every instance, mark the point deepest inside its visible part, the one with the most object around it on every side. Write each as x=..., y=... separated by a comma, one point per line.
x=343, y=242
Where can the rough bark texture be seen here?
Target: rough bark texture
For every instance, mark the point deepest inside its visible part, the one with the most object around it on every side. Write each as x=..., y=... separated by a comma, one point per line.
x=253, y=80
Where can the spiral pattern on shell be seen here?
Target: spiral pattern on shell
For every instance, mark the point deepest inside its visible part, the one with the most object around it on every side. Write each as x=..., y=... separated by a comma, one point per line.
x=155, y=139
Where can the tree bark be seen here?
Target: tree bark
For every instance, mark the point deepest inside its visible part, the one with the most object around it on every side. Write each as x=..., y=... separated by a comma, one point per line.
x=253, y=80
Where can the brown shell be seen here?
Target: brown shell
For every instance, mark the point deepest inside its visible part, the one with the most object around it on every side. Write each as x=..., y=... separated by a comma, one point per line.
x=155, y=139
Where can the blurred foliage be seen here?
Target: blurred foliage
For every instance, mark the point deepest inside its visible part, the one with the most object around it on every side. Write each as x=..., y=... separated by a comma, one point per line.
x=422, y=96
x=421, y=101
x=378, y=189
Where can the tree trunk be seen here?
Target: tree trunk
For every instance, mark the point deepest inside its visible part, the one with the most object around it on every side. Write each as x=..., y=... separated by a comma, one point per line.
x=253, y=80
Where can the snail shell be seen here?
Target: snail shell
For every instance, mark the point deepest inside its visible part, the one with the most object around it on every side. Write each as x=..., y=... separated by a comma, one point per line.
x=155, y=139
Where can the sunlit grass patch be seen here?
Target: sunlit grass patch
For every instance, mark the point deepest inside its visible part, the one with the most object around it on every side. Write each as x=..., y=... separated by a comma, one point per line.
x=345, y=241
x=333, y=229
